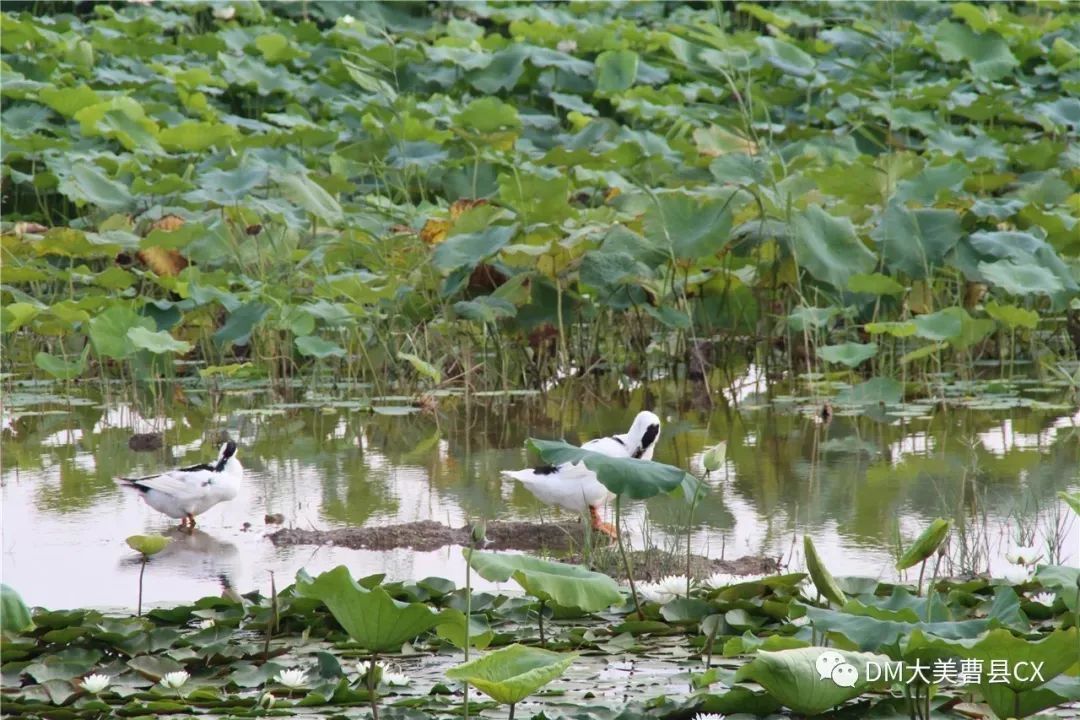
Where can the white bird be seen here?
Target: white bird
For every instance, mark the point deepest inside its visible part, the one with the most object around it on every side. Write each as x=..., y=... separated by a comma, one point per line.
x=186, y=492
x=575, y=487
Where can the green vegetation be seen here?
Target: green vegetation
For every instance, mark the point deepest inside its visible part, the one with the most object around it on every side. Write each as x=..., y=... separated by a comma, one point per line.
x=208, y=658
x=503, y=195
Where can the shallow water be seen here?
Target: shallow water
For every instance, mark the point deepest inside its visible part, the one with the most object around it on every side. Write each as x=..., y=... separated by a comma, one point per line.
x=993, y=457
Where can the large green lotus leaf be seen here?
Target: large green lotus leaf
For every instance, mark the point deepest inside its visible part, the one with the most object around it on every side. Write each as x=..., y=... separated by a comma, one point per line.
x=469, y=249
x=1063, y=112
x=452, y=629
x=69, y=100
x=793, y=677
x=870, y=633
x=567, y=585
x=511, y=674
x=628, y=477
x=850, y=354
x=60, y=368
x=608, y=271
x=14, y=616
x=311, y=196
x=874, y=284
x=88, y=184
x=241, y=322
x=785, y=56
x=987, y=54
x=1012, y=316
x=1056, y=652
x=915, y=242
x=1009, y=703
x=370, y=617
x=928, y=184
x=109, y=331
x=194, y=136
x=820, y=575
x=227, y=187
x=1021, y=279
x=70, y=242
x=926, y=544
x=873, y=392
x=828, y=247
x=616, y=70
x=488, y=115
x=537, y=198
x=678, y=223
x=502, y=72
x=738, y=699
x=943, y=325
x=317, y=347
x=156, y=342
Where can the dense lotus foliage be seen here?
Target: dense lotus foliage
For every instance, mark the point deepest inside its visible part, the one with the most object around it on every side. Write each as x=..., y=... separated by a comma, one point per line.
x=505, y=194
x=729, y=645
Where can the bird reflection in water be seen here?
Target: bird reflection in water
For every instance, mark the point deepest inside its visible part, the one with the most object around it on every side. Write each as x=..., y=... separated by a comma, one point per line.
x=196, y=554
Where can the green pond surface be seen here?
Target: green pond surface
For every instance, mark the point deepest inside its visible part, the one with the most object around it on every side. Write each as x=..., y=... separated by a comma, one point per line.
x=991, y=455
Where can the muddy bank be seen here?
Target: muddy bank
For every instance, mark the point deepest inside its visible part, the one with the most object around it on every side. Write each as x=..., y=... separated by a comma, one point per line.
x=567, y=538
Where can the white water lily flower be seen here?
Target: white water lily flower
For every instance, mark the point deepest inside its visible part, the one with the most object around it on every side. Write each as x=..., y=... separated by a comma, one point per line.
x=650, y=592
x=292, y=678
x=675, y=585
x=96, y=683
x=393, y=678
x=346, y=20
x=175, y=680
x=709, y=716
x=1023, y=555
x=566, y=46
x=224, y=12
x=1044, y=598
x=1017, y=574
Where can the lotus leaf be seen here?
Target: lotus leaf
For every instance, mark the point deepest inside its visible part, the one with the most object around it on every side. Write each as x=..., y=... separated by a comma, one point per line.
x=631, y=478
x=926, y=544
x=795, y=679
x=567, y=585
x=823, y=579
x=511, y=674
x=371, y=617
x=148, y=544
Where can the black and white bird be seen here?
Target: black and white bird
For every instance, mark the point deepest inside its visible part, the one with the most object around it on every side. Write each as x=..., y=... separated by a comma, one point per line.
x=189, y=491
x=574, y=487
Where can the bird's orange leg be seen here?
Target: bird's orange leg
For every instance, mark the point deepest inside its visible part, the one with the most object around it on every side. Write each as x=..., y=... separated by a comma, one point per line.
x=598, y=524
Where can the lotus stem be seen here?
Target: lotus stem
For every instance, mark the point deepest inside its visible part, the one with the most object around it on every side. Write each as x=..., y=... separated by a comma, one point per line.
x=625, y=559
x=922, y=569
x=511, y=715
x=543, y=641
x=371, y=686
x=142, y=569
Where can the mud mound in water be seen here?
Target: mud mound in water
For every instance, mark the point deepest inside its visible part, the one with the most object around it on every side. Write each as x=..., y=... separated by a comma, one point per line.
x=428, y=535
x=567, y=538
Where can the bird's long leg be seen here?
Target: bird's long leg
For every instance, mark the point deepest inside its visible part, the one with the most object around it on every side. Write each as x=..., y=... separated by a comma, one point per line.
x=598, y=524
x=191, y=521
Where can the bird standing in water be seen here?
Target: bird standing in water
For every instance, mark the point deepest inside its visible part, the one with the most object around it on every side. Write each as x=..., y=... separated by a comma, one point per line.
x=189, y=491
x=574, y=487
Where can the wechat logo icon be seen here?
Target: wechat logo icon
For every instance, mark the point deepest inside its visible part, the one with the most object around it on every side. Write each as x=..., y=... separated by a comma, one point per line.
x=831, y=665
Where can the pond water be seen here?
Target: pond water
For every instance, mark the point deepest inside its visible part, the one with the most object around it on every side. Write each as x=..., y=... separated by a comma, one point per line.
x=990, y=455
